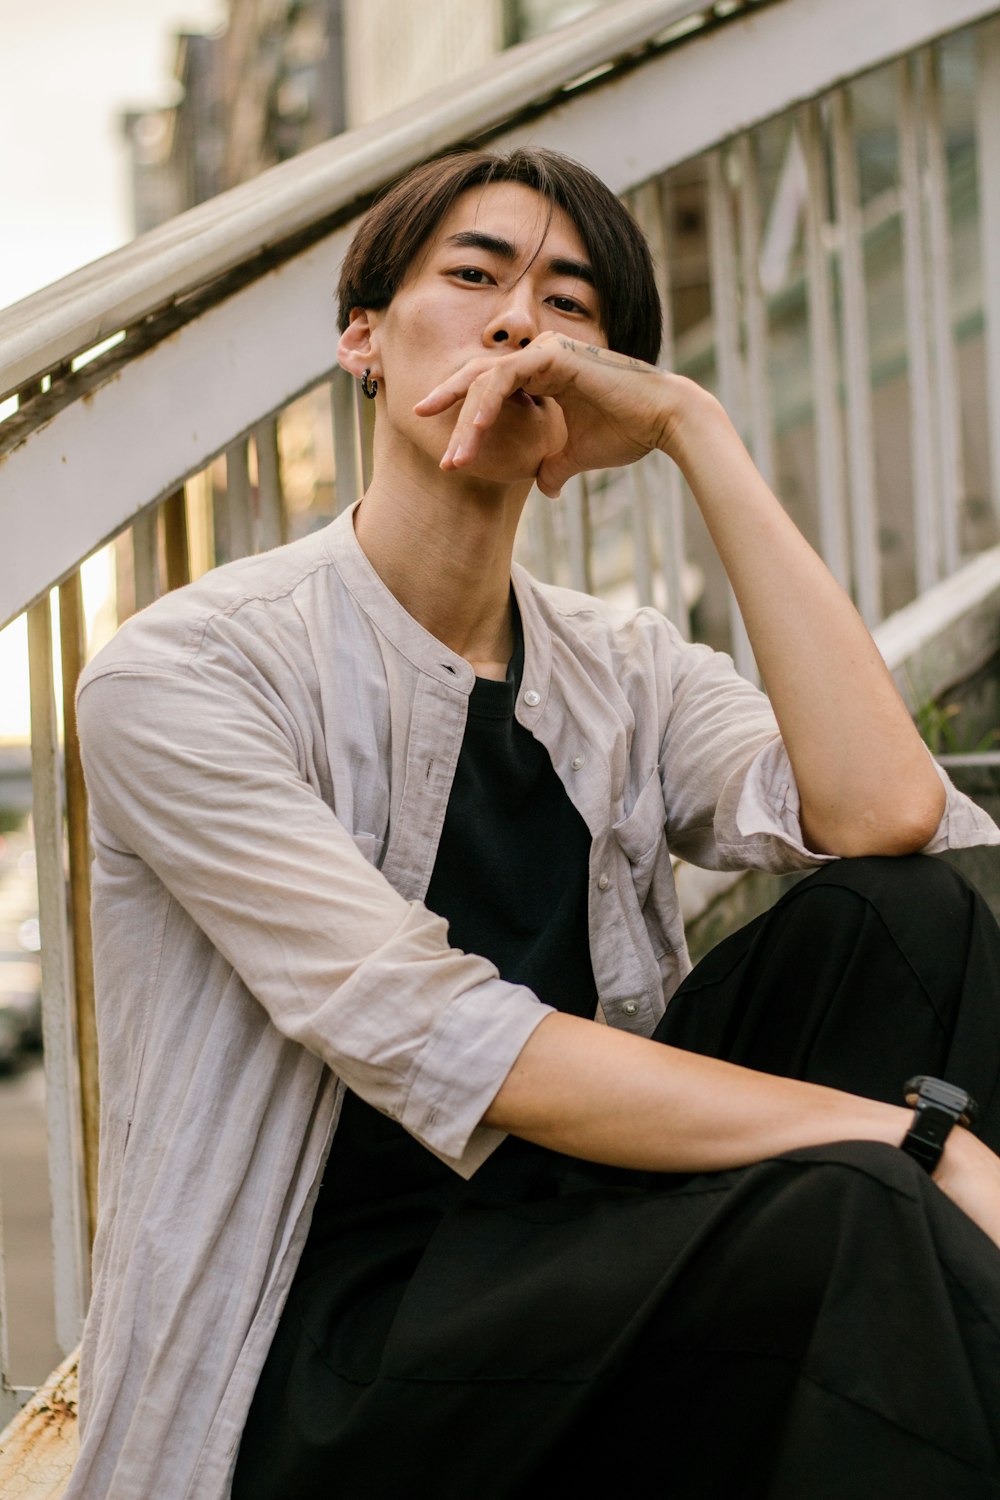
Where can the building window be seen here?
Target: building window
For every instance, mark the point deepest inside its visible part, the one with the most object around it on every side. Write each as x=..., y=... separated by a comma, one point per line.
x=528, y=18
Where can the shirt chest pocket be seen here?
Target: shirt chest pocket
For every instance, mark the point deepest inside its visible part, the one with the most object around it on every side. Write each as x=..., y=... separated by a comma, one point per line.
x=640, y=836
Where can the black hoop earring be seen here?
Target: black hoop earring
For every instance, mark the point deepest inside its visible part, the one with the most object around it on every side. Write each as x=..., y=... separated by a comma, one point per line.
x=370, y=387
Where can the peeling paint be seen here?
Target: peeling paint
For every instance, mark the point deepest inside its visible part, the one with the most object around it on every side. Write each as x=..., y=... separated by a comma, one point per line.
x=39, y=1447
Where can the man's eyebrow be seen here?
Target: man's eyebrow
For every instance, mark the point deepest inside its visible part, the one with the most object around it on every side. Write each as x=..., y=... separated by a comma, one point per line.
x=578, y=268
x=475, y=239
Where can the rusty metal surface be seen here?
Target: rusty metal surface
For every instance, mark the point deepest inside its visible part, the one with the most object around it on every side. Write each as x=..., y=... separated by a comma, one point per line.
x=39, y=1447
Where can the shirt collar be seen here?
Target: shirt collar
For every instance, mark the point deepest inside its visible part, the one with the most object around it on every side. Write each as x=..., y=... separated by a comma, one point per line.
x=423, y=650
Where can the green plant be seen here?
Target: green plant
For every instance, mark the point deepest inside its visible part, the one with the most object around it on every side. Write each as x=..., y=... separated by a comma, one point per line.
x=940, y=729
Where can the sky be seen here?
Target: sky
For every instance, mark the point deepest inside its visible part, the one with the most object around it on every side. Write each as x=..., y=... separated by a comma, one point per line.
x=68, y=70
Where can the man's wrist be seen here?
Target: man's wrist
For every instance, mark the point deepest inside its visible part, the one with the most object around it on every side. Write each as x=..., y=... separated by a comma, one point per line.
x=938, y=1107
x=695, y=418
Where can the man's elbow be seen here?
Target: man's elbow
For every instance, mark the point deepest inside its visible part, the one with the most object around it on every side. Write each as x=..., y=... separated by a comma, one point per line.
x=904, y=828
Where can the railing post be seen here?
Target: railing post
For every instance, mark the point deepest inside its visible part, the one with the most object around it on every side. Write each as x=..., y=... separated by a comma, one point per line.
x=73, y=641
x=823, y=353
x=146, y=558
x=951, y=481
x=642, y=504
x=219, y=500
x=726, y=318
x=987, y=156
x=12, y=1397
x=346, y=452
x=578, y=533
x=755, y=311
x=926, y=534
x=651, y=206
x=175, y=540
x=239, y=511
x=541, y=536
x=200, y=510
x=271, y=511
x=640, y=510
x=865, y=548
x=69, y=1235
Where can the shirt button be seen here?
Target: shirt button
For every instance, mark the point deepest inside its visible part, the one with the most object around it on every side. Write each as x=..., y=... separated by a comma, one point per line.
x=603, y=882
x=577, y=762
x=630, y=1008
x=532, y=699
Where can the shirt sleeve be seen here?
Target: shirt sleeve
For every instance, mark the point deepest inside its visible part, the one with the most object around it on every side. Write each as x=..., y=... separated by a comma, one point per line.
x=729, y=789
x=768, y=808
x=201, y=781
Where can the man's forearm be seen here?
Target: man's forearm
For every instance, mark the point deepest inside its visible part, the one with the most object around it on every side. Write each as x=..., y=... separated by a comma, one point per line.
x=865, y=780
x=600, y=1094
x=605, y=1096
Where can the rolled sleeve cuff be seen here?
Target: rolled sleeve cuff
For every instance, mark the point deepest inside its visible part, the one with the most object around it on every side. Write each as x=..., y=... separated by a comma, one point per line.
x=963, y=825
x=768, y=816
x=766, y=827
x=499, y=1018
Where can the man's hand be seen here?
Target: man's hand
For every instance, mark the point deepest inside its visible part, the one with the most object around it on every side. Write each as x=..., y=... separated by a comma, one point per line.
x=615, y=409
x=866, y=783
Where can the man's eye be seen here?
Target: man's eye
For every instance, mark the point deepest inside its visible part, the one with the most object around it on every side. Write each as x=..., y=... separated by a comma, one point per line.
x=567, y=305
x=472, y=274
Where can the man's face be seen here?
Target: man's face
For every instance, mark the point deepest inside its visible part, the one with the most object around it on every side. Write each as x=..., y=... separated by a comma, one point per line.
x=504, y=265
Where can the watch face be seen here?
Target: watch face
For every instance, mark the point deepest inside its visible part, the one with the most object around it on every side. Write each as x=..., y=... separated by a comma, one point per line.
x=923, y=1090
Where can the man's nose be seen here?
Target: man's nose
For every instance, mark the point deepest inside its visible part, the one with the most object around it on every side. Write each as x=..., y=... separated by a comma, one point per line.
x=514, y=323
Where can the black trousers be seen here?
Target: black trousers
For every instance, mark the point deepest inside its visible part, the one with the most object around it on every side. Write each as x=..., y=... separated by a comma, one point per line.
x=838, y=1335
x=822, y=1326
x=865, y=973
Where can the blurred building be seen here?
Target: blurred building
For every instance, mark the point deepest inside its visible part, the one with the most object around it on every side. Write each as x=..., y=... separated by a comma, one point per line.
x=286, y=74
x=177, y=153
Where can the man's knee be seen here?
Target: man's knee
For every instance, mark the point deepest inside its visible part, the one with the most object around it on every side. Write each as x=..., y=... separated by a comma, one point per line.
x=912, y=880
x=922, y=902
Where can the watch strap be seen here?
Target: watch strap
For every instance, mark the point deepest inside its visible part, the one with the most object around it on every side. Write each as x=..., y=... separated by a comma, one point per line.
x=938, y=1108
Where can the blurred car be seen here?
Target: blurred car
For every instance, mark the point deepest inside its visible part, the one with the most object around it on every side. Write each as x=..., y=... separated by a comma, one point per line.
x=11, y=1050
x=20, y=1006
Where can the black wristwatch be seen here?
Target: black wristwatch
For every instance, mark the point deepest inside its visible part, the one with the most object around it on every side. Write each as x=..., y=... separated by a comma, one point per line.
x=938, y=1106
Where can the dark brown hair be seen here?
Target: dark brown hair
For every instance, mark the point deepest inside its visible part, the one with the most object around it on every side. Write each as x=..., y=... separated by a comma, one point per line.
x=400, y=223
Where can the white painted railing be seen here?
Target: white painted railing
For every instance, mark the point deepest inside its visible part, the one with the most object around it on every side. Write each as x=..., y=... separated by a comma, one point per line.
x=741, y=134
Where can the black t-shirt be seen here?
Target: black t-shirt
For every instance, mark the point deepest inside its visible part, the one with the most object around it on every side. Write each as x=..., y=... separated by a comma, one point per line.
x=511, y=868
x=511, y=878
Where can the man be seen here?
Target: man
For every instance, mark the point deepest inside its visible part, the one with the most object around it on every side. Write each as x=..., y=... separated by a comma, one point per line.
x=303, y=764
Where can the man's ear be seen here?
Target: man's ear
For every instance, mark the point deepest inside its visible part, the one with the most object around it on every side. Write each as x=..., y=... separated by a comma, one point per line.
x=355, y=352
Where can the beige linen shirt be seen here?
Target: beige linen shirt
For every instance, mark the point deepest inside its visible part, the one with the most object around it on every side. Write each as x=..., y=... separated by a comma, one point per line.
x=269, y=755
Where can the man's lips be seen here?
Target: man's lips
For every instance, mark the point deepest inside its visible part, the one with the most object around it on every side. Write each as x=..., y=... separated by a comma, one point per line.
x=521, y=398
